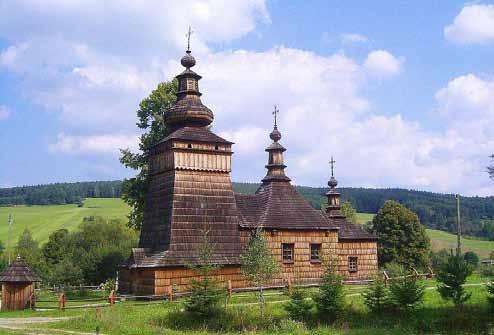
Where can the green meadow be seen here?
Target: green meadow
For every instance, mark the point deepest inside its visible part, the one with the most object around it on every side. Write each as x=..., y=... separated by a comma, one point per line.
x=43, y=220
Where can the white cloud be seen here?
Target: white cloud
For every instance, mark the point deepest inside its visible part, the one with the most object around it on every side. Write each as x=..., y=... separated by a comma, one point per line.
x=75, y=60
x=382, y=63
x=4, y=112
x=353, y=38
x=94, y=144
x=473, y=25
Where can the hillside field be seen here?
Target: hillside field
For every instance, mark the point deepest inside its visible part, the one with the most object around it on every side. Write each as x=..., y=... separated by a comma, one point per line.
x=42, y=220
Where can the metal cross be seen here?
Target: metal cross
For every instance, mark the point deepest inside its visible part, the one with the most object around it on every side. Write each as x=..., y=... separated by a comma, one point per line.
x=188, y=37
x=331, y=162
x=275, y=113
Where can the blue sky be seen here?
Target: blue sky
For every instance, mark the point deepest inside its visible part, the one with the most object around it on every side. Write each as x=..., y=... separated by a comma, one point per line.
x=401, y=93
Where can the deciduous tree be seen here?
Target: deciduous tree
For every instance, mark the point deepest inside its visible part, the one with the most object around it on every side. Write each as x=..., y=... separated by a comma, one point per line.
x=401, y=237
x=151, y=115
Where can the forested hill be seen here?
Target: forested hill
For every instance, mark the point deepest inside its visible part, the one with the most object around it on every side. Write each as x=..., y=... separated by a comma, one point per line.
x=435, y=210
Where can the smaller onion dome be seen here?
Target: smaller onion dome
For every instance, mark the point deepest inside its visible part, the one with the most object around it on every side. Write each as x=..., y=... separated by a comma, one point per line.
x=275, y=134
x=188, y=60
x=332, y=182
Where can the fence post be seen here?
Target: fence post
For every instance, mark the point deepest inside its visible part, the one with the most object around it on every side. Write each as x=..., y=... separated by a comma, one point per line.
x=32, y=300
x=229, y=286
x=289, y=286
x=169, y=293
x=61, y=302
x=111, y=298
x=431, y=272
x=386, y=278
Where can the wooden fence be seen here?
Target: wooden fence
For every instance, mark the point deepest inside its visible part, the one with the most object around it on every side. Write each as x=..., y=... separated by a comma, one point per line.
x=112, y=298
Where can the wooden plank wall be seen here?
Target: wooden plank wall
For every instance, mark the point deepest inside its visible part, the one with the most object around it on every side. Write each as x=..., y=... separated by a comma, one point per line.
x=16, y=296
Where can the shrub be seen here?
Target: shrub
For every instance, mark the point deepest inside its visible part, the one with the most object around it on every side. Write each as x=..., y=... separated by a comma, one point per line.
x=472, y=258
x=487, y=270
x=299, y=307
x=490, y=293
x=406, y=292
x=330, y=300
x=376, y=296
x=451, y=277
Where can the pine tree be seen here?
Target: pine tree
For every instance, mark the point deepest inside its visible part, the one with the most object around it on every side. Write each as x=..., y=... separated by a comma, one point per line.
x=257, y=264
x=376, y=296
x=205, y=295
x=407, y=291
x=299, y=306
x=451, y=277
x=330, y=299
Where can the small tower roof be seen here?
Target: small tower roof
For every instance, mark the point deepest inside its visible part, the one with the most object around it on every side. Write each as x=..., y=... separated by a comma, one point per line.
x=275, y=166
x=19, y=272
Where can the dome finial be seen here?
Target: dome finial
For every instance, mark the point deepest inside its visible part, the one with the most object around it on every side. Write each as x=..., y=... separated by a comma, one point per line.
x=188, y=60
x=332, y=182
x=275, y=134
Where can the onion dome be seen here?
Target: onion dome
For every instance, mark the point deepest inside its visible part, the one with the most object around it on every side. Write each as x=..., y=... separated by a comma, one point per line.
x=188, y=110
x=188, y=60
x=275, y=134
x=332, y=183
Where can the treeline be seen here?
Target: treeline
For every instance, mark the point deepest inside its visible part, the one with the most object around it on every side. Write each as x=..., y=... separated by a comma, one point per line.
x=59, y=193
x=435, y=210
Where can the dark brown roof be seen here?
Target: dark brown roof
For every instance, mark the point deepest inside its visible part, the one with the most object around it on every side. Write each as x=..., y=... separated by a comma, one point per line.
x=195, y=134
x=350, y=231
x=19, y=272
x=277, y=205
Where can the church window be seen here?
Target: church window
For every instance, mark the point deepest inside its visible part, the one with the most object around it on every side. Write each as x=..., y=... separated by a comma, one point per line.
x=287, y=249
x=352, y=264
x=315, y=252
x=216, y=147
x=189, y=146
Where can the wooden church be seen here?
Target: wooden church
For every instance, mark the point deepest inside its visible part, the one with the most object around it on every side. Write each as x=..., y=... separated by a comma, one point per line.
x=190, y=190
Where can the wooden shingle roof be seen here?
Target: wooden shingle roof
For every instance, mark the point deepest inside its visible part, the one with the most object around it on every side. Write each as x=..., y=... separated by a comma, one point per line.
x=195, y=134
x=277, y=205
x=18, y=272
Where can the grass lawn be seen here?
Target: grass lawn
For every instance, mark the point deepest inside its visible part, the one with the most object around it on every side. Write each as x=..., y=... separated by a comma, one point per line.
x=43, y=220
x=434, y=317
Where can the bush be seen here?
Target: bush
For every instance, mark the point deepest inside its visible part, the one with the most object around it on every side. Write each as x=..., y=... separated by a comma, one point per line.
x=299, y=307
x=330, y=300
x=490, y=293
x=406, y=292
x=487, y=270
x=439, y=258
x=472, y=258
x=376, y=296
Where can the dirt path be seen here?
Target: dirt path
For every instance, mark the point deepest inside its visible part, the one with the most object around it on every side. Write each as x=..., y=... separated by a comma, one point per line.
x=25, y=326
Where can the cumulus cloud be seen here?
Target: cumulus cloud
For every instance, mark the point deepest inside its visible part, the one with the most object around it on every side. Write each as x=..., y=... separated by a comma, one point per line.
x=75, y=60
x=4, y=112
x=350, y=38
x=94, y=144
x=473, y=25
x=382, y=63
